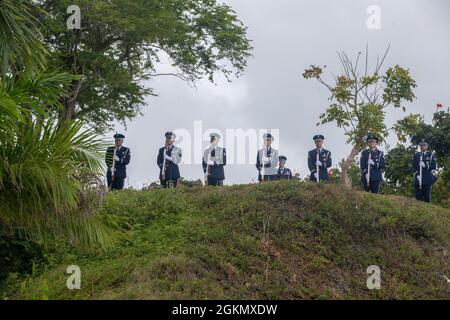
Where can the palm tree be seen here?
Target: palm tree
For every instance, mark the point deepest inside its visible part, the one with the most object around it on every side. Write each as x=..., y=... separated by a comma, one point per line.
x=41, y=163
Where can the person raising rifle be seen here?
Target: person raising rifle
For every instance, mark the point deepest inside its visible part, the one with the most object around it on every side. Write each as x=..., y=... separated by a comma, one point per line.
x=117, y=158
x=372, y=165
x=267, y=160
x=168, y=159
x=214, y=160
x=319, y=160
x=424, y=162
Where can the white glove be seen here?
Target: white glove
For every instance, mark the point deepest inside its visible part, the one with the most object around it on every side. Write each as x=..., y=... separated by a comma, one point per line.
x=116, y=158
x=210, y=162
x=318, y=163
x=265, y=160
x=422, y=164
x=418, y=178
x=371, y=162
x=167, y=157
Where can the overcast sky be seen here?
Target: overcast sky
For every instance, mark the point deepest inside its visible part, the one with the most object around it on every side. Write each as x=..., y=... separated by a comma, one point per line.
x=288, y=36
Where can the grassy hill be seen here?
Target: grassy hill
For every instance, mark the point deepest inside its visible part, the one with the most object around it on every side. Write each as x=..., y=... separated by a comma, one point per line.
x=268, y=241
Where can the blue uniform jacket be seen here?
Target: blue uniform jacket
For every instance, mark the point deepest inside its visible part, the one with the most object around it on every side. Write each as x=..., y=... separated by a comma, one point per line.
x=325, y=158
x=216, y=171
x=173, y=171
x=376, y=169
x=284, y=174
x=120, y=166
x=429, y=158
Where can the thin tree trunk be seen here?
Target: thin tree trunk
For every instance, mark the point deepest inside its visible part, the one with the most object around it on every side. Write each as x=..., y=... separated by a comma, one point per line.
x=69, y=110
x=346, y=164
x=69, y=103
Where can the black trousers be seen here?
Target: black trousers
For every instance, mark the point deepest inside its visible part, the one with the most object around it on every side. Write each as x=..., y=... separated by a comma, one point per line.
x=215, y=182
x=373, y=186
x=424, y=193
x=169, y=183
x=117, y=184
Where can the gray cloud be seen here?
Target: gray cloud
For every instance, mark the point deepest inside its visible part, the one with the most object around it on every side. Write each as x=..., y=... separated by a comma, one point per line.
x=287, y=37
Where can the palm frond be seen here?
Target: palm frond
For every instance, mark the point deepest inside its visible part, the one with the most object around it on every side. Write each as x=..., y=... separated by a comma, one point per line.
x=41, y=161
x=38, y=185
x=20, y=39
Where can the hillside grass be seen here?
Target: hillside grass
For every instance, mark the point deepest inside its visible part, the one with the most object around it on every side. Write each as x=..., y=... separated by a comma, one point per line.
x=280, y=240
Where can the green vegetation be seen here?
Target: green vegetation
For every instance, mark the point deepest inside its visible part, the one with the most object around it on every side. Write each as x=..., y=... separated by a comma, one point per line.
x=268, y=241
x=55, y=82
x=399, y=166
x=360, y=99
x=44, y=165
x=278, y=240
x=123, y=43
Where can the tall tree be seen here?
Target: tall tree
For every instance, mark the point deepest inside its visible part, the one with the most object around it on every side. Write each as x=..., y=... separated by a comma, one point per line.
x=360, y=99
x=122, y=43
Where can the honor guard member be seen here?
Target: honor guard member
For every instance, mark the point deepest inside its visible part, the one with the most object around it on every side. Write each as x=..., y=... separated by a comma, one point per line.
x=267, y=160
x=117, y=158
x=319, y=160
x=424, y=162
x=283, y=172
x=372, y=165
x=214, y=159
x=169, y=157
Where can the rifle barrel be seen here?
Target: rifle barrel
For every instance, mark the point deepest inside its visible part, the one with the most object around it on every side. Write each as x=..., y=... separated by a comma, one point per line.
x=317, y=167
x=420, y=172
x=113, y=166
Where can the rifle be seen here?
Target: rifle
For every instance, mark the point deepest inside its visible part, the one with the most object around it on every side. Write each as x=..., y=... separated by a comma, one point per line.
x=368, y=169
x=263, y=168
x=420, y=171
x=113, y=166
x=163, y=173
x=207, y=172
x=317, y=166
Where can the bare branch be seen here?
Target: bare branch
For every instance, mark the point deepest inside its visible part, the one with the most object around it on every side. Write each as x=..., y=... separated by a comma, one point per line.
x=377, y=69
x=325, y=84
x=367, y=59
